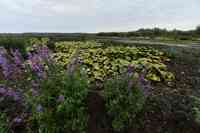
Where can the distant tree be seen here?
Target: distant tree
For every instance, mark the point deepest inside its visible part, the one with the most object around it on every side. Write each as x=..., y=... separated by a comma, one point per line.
x=175, y=34
x=198, y=29
x=157, y=31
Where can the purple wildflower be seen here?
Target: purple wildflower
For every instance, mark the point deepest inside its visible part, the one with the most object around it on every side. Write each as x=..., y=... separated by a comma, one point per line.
x=34, y=92
x=39, y=108
x=2, y=90
x=36, y=64
x=142, y=79
x=17, y=120
x=10, y=69
x=2, y=59
x=30, y=56
x=144, y=85
x=61, y=98
x=37, y=67
x=130, y=69
x=16, y=97
x=13, y=94
x=6, y=67
x=7, y=71
x=44, y=52
x=10, y=93
x=17, y=57
x=6, y=92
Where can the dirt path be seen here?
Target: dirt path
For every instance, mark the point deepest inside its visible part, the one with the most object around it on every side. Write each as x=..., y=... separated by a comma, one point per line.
x=151, y=43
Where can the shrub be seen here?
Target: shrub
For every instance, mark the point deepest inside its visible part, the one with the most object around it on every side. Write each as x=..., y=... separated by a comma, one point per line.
x=125, y=96
x=14, y=43
x=40, y=95
x=61, y=106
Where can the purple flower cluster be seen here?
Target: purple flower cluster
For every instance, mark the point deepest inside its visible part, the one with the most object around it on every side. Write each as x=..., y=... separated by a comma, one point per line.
x=61, y=98
x=130, y=69
x=144, y=85
x=12, y=99
x=4, y=63
x=35, y=88
x=10, y=65
x=17, y=57
x=36, y=64
x=38, y=60
x=9, y=93
x=44, y=52
x=17, y=120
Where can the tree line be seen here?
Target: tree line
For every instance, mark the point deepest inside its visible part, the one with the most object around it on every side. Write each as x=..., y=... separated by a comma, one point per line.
x=156, y=32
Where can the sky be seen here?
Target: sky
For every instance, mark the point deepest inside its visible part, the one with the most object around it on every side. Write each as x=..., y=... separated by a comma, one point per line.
x=97, y=15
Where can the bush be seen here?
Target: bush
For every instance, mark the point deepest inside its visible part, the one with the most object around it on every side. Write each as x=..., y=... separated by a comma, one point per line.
x=14, y=43
x=125, y=96
x=61, y=106
x=40, y=95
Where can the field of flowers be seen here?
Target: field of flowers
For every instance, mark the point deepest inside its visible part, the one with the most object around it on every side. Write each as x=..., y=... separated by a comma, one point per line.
x=48, y=89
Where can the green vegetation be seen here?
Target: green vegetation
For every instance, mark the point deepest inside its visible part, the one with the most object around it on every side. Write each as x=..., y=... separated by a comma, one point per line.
x=46, y=98
x=41, y=93
x=102, y=62
x=196, y=108
x=62, y=98
x=157, y=34
x=3, y=123
x=151, y=34
x=125, y=97
x=77, y=86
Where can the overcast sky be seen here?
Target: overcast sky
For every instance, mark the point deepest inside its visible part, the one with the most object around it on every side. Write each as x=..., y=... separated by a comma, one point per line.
x=97, y=15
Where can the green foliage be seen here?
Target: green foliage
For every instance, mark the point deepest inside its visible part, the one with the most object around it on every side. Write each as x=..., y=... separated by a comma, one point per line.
x=198, y=30
x=102, y=62
x=14, y=43
x=24, y=44
x=67, y=114
x=196, y=108
x=123, y=101
x=32, y=43
x=155, y=33
x=42, y=94
x=65, y=51
x=3, y=124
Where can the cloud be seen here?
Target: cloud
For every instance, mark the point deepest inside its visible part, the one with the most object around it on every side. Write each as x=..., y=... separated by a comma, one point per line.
x=96, y=15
